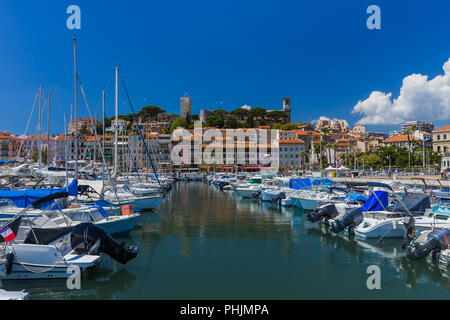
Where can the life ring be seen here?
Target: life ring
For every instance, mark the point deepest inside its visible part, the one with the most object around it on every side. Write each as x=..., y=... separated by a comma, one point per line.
x=431, y=193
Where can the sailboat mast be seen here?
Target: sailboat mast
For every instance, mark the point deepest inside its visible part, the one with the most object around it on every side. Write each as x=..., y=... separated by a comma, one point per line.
x=75, y=103
x=40, y=129
x=95, y=141
x=103, y=140
x=48, y=131
x=66, y=150
x=116, y=125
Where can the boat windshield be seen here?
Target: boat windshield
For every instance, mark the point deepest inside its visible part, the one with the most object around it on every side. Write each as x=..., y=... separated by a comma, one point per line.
x=82, y=216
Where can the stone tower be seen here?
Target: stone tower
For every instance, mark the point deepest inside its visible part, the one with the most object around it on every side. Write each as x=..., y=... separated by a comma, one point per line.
x=287, y=107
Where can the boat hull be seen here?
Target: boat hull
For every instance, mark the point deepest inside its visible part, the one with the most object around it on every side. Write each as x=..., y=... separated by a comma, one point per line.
x=388, y=229
x=121, y=226
x=143, y=203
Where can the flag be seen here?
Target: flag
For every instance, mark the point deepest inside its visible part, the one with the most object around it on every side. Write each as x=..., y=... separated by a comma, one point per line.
x=9, y=232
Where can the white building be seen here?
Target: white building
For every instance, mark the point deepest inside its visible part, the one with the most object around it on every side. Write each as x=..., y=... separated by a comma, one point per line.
x=290, y=153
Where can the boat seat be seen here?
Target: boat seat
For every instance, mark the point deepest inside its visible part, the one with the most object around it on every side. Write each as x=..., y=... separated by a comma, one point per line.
x=82, y=260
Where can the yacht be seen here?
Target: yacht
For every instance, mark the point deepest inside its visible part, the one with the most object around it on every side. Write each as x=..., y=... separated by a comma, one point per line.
x=50, y=251
x=251, y=189
x=390, y=222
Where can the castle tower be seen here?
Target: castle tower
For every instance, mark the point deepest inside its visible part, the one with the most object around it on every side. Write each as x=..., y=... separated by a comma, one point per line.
x=287, y=107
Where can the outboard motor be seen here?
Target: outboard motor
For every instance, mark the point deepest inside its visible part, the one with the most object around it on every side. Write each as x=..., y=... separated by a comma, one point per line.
x=278, y=199
x=350, y=220
x=328, y=212
x=437, y=240
x=90, y=238
x=256, y=195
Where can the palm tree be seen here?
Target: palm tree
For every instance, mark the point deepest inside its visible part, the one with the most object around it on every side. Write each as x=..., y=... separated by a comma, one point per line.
x=409, y=132
x=318, y=151
x=324, y=133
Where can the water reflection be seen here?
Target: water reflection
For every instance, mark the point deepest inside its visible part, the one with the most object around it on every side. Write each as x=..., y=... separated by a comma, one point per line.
x=203, y=243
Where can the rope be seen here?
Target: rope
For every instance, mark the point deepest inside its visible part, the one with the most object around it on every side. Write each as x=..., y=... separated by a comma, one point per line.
x=98, y=141
x=140, y=133
x=38, y=272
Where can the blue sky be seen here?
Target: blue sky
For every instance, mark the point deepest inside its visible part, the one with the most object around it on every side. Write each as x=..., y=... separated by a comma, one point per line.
x=224, y=54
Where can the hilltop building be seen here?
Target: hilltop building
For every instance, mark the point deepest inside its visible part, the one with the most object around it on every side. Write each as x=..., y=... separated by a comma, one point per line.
x=332, y=125
x=186, y=107
x=287, y=107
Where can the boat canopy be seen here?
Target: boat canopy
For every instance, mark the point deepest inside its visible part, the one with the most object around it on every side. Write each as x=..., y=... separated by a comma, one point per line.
x=379, y=184
x=378, y=201
x=414, y=203
x=302, y=184
x=23, y=198
x=355, y=197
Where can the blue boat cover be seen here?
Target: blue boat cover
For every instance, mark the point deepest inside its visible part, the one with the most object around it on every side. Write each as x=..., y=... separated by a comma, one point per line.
x=355, y=197
x=302, y=184
x=23, y=198
x=373, y=204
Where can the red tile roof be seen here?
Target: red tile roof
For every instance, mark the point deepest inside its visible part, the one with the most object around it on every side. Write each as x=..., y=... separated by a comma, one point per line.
x=401, y=139
x=446, y=128
x=294, y=141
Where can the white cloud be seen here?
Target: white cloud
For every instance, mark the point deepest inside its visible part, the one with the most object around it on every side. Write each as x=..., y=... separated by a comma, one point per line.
x=419, y=99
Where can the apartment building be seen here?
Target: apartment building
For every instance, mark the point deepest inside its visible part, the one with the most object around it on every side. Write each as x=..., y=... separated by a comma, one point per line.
x=291, y=153
x=441, y=140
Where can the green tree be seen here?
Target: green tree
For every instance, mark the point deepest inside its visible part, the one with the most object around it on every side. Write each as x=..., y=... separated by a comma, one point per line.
x=258, y=113
x=35, y=156
x=151, y=112
x=215, y=121
x=220, y=113
x=240, y=113
x=84, y=132
x=278, y=126
x=277, y=115
x=232, y=123
x=289, y=126
x=409, y=132
x=178, y=123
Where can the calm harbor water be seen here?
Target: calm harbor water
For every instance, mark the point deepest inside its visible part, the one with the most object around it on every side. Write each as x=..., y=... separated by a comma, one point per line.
x=203, y=243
